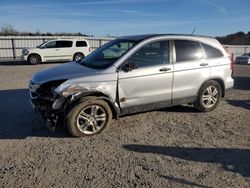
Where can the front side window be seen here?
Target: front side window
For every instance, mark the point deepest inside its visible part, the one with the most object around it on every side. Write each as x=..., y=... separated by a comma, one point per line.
x=107, y=54
x=64, y=44
x=155, y=53
x=211, y=52
x=51, y=44
x=187, y=50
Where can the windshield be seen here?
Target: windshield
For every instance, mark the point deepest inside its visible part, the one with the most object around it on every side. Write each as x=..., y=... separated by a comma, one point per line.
x=39, y=46
x=107, y=54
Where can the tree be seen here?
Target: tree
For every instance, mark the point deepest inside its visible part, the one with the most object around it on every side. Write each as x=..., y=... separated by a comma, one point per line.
x=8, y=30
x=239, y=38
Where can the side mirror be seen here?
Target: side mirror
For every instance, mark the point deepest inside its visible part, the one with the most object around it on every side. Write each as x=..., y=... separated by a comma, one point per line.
x=129, y=67
x=42, y=47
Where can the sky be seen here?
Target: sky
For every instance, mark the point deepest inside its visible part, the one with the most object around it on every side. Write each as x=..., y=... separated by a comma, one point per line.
x=126, y=17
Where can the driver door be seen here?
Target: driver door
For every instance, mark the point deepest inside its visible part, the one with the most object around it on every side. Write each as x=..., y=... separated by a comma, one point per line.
x=148, y=84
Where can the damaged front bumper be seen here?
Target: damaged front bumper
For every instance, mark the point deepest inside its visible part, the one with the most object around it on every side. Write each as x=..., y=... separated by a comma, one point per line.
x=49, y=108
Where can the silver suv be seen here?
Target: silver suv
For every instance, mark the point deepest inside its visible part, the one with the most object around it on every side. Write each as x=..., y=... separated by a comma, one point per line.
x=132, y=74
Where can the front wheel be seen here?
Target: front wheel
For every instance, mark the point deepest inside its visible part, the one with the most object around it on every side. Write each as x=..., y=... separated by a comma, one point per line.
x=34, y=59
x=209, y=96
x=88, y=118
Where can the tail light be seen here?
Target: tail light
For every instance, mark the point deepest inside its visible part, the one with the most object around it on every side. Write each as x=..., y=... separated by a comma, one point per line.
x=231, y=63
x=89, y=50
x=231, y=57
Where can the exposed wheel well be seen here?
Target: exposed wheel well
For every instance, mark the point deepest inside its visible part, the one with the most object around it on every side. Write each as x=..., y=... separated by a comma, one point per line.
x=97, y=95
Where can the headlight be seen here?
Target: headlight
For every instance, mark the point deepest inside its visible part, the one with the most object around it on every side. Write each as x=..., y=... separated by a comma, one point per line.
x=25, y=52
x=60, y=88
x=33, y=87
x=66, y=89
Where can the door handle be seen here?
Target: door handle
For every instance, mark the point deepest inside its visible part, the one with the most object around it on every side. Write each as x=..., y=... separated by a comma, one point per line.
x=57, y=49
x=203, y=64
x=164, y=69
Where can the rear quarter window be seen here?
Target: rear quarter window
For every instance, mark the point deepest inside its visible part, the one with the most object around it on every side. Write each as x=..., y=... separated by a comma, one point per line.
x=81, y=44
x=211, y=52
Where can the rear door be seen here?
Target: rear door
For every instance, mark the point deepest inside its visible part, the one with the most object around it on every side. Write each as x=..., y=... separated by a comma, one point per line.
x=148, y=85
x=190, y=70
x=219, y=64
x=64, y=49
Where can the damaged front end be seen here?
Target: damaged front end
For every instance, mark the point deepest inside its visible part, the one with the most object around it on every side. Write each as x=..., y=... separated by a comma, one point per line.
x=44, y=100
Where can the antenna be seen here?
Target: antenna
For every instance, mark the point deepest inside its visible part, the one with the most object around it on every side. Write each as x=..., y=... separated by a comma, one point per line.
x=193, y=31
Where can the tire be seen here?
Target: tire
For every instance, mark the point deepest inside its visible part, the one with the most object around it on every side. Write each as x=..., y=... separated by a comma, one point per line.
x=209, y=96
x=87, y=117
x=34, y=59
x=78, y=57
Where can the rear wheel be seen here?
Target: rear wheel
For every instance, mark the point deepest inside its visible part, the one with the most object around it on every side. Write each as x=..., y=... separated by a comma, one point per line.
x=78, y=57
x=88, y=118
x=209, y=96
x=34, y=59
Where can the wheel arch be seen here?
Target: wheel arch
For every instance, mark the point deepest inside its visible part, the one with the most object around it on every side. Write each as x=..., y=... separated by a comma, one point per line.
x=222, y=85
x=218, y=80
x=76, y=99
x=34, y=53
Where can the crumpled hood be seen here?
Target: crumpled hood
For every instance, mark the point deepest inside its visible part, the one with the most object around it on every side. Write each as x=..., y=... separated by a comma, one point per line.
x=62, y=72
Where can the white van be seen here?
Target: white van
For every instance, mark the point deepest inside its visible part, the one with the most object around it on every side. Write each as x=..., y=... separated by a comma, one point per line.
x=57, y=50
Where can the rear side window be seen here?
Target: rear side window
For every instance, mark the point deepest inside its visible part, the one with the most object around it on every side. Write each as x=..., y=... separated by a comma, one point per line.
x=81, y=44
x=211, y=52
x=64, y=44
x=187, y=50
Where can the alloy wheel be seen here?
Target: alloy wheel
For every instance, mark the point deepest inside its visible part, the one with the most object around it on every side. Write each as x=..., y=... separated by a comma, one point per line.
x=78, y=58
x=210, y=96
x=91, y=119
x=33, y=60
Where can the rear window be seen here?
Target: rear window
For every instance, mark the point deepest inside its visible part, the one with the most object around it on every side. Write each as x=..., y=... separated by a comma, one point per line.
x=211, y=52
x=187, y=50
x=63, y=44
x=81, y=44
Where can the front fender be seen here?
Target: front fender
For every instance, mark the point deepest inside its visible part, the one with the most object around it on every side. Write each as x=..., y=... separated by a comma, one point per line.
x=76, y=98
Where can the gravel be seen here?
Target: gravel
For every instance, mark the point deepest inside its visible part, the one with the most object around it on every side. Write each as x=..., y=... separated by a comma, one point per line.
x=172, y=147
